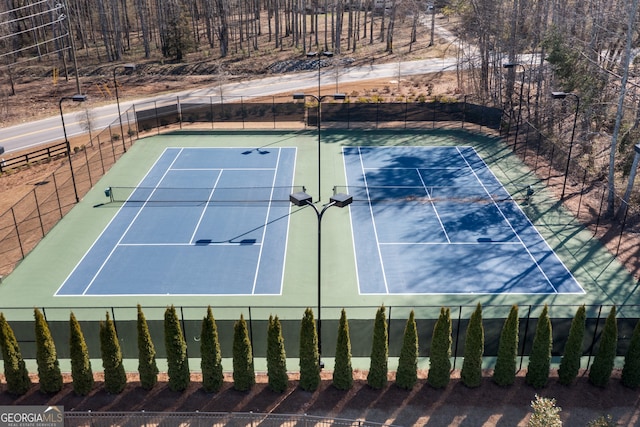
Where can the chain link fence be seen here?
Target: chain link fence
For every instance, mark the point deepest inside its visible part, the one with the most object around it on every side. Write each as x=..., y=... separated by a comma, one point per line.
x=205, y=419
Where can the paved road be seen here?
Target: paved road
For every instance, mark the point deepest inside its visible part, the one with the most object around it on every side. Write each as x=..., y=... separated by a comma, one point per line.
x=48, y=130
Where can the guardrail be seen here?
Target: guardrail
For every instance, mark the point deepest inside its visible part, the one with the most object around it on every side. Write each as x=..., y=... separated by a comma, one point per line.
x=36, y=156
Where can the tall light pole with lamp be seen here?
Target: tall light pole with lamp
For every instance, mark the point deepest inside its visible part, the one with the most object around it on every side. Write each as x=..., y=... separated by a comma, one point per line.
x=563, y=95
x=511, y=65
x=75, y=98
x=126, y=67
x=339, y=200
x=319, y=99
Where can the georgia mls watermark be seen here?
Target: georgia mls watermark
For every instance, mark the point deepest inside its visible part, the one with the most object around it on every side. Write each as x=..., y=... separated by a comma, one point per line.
x=31, y=416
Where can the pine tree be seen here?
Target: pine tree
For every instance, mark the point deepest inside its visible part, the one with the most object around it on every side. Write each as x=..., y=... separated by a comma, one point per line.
x=211, y=356
x=48, y=365
x=505, y=370
x=15, y=369
x=147, y=366
x=570, y=363
x=115, y=378
x=440, y=358
x=309, y=355
x=540, y=357
x=342, y=370
x=631, y=369
x=80, y=362
x=276, y=357
x=407, y=373
x=176, y=347
x=377, y=376
x=471, y=374
x=243, y=372
x=604, y=359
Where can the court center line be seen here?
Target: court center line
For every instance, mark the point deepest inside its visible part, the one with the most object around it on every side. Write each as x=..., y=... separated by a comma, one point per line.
x=206, y=206
x=433, y=205
x=141, y=208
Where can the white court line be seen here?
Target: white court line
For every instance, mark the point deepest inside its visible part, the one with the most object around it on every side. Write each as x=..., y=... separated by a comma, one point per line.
x=433, y=205
x=204, y=210
x=506, y=219
x=266, y=223
x=373, y=221
x=228, y=169
x=86, y=289
x=106, y=228
x=451, y=243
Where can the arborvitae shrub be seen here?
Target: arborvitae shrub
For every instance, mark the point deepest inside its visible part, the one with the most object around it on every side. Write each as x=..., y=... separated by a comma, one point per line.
x=407, y=373
x=600, y=371
x=540, y=357
x=570, y=363
x=147, y=366
x=48, y=365
x=81, y=371
x=377, y=376
x=243, y=372
x=471, y=374
x=631, y=369
x=15, y=369
x=211, y=356
x=176, y=348
x=440, y=357
x=343, y=371
x=276, y=357
x=505, y=370
x=309, y=355
x=115, y=378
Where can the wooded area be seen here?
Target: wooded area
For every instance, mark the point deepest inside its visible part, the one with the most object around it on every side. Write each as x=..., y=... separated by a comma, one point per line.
x=586, y=48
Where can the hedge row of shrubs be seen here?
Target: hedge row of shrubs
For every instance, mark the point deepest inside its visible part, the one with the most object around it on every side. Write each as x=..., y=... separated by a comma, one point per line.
x=50, y=377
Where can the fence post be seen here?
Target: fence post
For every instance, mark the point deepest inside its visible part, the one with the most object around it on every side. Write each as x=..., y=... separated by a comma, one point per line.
x=455, y=350
x=15, y=222
x=624, y=221
x=155, y=112
x=35, y=197
x=242, y=110
x=524, y=340
x=251, y=332
x=593, y=340
x=55, y=185
x=86, y=159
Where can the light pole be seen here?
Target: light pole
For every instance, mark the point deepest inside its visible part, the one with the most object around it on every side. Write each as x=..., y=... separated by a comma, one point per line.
x=510, y=65
x=319, y=55
x=319, y=99
x=563, y=95
x=303, y=199
x=75, y=98
x=127, y=67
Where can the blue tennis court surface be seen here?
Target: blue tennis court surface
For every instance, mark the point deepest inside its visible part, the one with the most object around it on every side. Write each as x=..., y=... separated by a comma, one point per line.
x=203, y=221
x=435, y=220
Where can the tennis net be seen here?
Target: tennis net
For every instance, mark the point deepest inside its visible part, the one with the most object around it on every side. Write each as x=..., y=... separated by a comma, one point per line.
x=180, y=196
x=425, y=194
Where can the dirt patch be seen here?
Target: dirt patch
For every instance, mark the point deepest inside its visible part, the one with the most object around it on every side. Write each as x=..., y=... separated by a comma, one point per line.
x=455, y=405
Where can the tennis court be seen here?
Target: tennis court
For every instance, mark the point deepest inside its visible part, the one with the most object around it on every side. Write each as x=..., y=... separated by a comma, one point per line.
x=203, y=221
x=436, y=220
x=199, y=218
